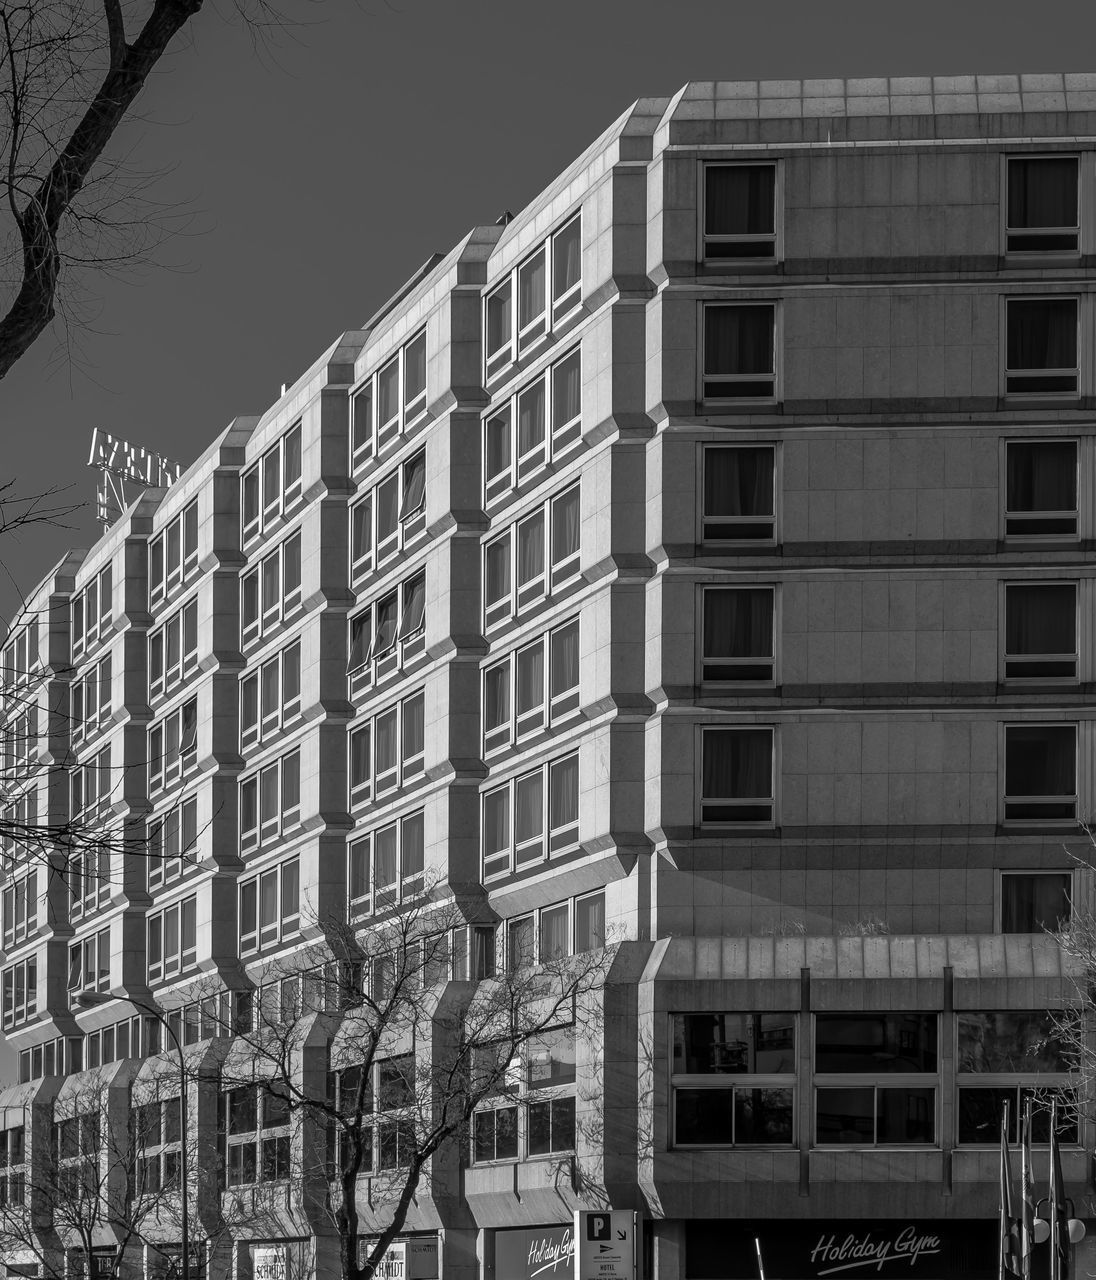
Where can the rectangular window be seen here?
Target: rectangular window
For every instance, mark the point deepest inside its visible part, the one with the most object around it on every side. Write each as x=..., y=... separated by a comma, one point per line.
x=1042, y=205
x=739, y=493
x=1041, y=346
x=562, y=804
x=590, y=922
x=497, y=585
x=739, y=211
x=1035, y=902
x=740, y=351
x=566, y=255
x=270, y=801
x=269, y=906
x=388, y=866
x=1041, y=488
x=390, y=401
x=566, y=520
x=388, y=635
x=1040, y=631
x=738, y=634
x=737, y=776
x=172, y=940
x=1040, y=773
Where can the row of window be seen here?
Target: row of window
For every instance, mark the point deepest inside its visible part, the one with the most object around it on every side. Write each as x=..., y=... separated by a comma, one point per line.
x=19, y=744
x=19, y=658
x=535, y=299
x=270, y=698
x=740, y=349
x=172, y=940
x=270, y=592
x=532, y=559
x=92, y=610
x=387, y=634
x=270, y=907
x=173, y=555
x=21, y=815
x=270, y=490
x=171, y=842
x=534, y=688
x=876, y=1077
x=389, y=403
x=20, y=909
x=538, y=424
x=388, y=751
x=388, y=519
x=173, y=651
x=270, y=801
x=737, y=775
x=173, y=747
x=88, y=876
x=20, y=992
x=530, y=818
x=90, y=700
x=740, y=210
x=388, y=865
x=91, y=787
x=739, y=626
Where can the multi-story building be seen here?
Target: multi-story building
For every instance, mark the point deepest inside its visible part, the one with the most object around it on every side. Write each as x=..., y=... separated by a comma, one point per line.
x=699, y=560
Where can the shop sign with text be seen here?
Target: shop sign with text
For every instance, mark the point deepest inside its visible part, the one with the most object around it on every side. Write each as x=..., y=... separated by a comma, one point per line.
x=540, y=1253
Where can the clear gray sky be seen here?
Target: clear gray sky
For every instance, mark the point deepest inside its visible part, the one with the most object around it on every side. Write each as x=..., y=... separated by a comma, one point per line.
x=320, y=173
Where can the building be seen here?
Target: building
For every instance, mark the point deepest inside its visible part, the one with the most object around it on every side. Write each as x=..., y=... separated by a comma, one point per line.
x=702, y=558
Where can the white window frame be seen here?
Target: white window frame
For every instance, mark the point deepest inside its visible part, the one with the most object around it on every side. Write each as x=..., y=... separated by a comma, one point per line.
x=368, y=436
x=409, y=870
x=557, y=311
x=408, y=767
x=408, y=635
x=287, y=598
x=554, y=709
x=184, y=956
x=707, y=662
x=255, y=935
x=558, y=441
x=552, y=576
x=93, y=605
x=164, y=579
x=285, y=818
x=20, y=992
x=162, y=771
x=549, y=843
x=285, y=497
x=708, y=523
x=410, y=523
x=169, y=849
x=287, y=709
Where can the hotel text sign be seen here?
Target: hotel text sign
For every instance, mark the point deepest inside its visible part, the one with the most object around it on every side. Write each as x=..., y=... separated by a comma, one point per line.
x=132, y=461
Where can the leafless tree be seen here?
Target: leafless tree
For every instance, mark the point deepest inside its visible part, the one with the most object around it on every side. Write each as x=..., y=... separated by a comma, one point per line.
x=106, y=1185
x=368, y=1075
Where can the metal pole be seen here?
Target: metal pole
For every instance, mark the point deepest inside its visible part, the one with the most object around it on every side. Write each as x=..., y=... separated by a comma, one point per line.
x=183, y=1127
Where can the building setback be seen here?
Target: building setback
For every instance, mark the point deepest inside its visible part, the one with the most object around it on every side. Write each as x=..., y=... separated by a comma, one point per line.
x=700, y=560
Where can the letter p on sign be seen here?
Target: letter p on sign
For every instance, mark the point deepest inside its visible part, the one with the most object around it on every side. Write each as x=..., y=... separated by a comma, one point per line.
x=599, y=1226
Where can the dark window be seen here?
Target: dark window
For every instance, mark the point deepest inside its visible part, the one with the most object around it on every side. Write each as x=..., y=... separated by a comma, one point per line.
x=1042, y=205
x=1040, y=772
x=981, y=1110
x=739, y=493
x=496, y=1134
x=737, y=775
x=551, y=1126
x=1041, y=488
x=1040, y=631
x=1035, y=902
x=876, y=1115
x=1012, y=1040
x=739, y=351
x=740, y=211
x=874, y=1043
x=1041, y=345
x=738, y=633
x=732, y=1117
x=734, y=1043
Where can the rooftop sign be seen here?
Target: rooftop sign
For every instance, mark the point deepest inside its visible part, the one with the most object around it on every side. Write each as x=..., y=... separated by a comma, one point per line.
x=121, y=464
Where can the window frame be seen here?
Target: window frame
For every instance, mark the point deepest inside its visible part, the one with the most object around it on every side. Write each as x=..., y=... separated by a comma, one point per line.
x=521, y=343
x=409, y=870
x=707, y=523
x=518, y=1096
x=1029, y=253
x=272, y=775
x=1004, y=874
x=555, y=709
x=166, y=579
x=182, y=955
x=408, y=634
x=168, y=765
x=287, y=498
x=288, y=599
x=771, y=397
x=1018, y=517
x=775, y=238
x=1030, y=821
x=1077, y=372
x=266, y=728
x=256, y=935
x=364, y=400
x=1014, y=660
x=408, y=768
x=772, y=799
x=550, y=842
x=707, y=663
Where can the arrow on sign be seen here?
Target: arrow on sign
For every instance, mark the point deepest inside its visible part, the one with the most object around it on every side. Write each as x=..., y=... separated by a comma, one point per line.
x=621, y=1235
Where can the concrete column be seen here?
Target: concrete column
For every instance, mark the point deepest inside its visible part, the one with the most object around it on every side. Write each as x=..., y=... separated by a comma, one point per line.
x=458, y=1255
x=668, y=1251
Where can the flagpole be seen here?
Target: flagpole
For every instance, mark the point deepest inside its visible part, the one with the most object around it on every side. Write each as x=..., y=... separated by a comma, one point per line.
x=1027, y=1196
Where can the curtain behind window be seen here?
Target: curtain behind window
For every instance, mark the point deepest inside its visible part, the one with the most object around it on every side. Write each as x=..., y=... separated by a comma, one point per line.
x=1042, y=193
x=1042, y=334
x=737, y=764
x=1042, y=476
x=738, y=623
x=739, y=200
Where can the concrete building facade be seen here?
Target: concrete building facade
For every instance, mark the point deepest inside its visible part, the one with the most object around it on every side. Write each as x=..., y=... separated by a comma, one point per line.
x=700, y=562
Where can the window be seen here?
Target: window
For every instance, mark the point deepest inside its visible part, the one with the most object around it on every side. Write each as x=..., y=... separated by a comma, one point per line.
x=91, y=788
x=389, y=402
x=546, y=287
x=271, y=488
x=270, y=593
x=388, y=751
x=172, y=843
x=530, y=818
x=173, y=940
x=173, y=746
x=756, y=1107
x=23, y=813
x=1040, y=773
x=20, y=908
x=737, y=642
x=1036, y=901
x=20, y=992
x=739, y=499
x=90, y=705
x=739, y=211
x=388, y=866
x=13, y=1173
x=75, y=1142
x=1042, y=212
x=270, y=801
x=92, y=611
x=739, y=351
x=389, y=518
x=270, y=698
x=546, y=1124
x=270, y=907
x=535, y=688
x=173, y=555
x=1041, y=346
x=1040, y=631
x=535, y=557
x=1041, y=488
x=21, y=659
x=89, y=964
x=388, y=634
x=88, y=875
x=1012, y=1056
x=540, y=421
x=737, y=776
x=590, y=922
x=254, y=1124
x=875, y=1078
x=172, y=652
x=157, y=1134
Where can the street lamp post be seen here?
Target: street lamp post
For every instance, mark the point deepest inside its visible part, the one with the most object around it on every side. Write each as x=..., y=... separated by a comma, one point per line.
x=88, y=1000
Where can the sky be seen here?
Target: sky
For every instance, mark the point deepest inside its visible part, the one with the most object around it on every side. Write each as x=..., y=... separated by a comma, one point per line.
x=316, y=170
